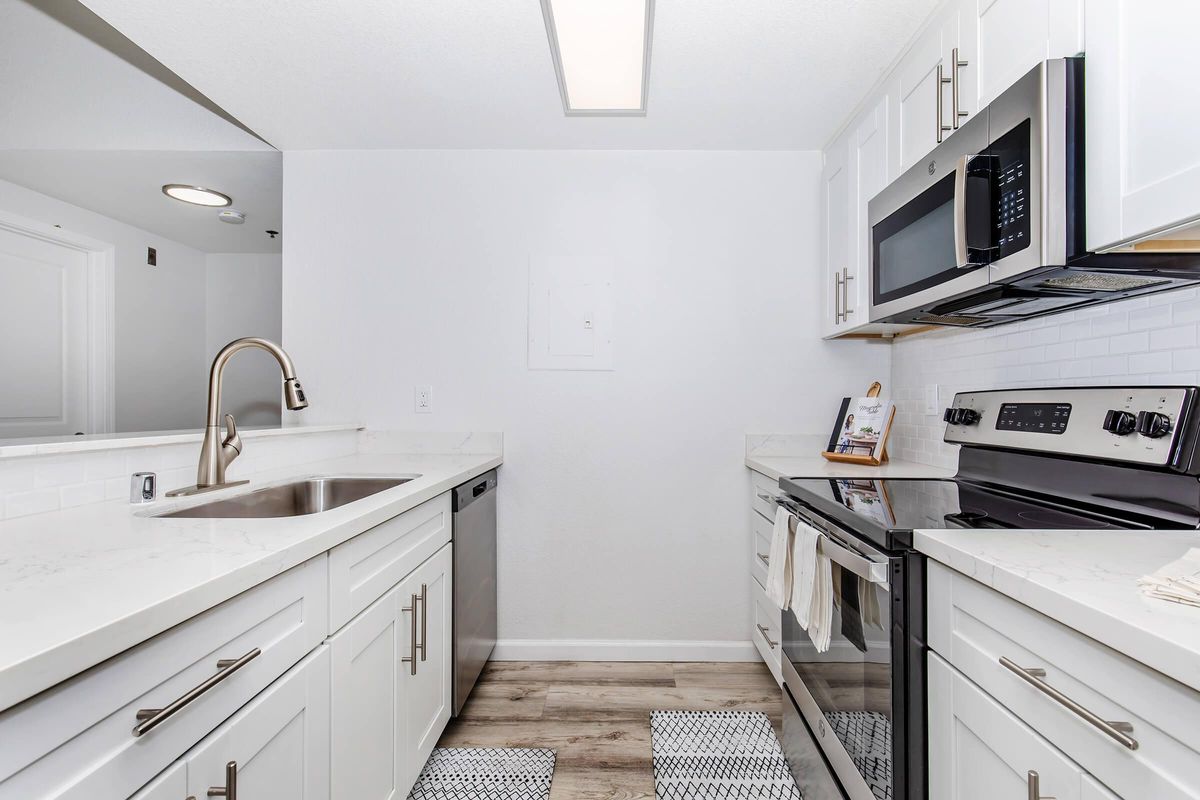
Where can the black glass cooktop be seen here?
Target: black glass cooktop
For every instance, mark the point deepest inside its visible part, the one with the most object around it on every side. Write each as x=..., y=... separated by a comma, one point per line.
x=887, y=511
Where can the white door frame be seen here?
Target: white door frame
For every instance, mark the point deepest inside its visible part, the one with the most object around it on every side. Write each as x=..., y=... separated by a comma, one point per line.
x=101, y=258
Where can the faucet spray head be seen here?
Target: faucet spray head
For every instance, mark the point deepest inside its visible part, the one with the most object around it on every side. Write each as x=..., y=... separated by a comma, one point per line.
x=293, y=395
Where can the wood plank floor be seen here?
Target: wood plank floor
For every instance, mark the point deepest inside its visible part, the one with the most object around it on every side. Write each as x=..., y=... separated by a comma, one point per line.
x=596, y=715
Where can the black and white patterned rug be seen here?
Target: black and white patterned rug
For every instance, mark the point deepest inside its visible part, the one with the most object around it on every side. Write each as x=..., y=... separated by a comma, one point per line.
x=867, y=737
x=725, y=755
x=485, y=773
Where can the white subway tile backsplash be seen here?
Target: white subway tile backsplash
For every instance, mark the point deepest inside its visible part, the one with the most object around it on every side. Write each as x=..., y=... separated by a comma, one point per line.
x=1148, y=340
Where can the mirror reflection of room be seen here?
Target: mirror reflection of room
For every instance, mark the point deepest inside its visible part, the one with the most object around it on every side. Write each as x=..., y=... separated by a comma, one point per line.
x=115, y=290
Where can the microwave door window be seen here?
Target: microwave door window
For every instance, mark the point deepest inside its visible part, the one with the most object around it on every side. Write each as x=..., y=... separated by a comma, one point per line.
x=922, y=250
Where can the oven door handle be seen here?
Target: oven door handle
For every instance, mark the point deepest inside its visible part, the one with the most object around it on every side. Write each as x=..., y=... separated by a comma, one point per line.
x=866, y=568
x=871, y=571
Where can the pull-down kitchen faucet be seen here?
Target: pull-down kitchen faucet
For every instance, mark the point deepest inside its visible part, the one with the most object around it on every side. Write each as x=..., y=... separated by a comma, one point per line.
x=216, y=456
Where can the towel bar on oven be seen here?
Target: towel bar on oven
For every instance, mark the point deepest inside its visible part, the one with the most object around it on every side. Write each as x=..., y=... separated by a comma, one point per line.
x=838, y=550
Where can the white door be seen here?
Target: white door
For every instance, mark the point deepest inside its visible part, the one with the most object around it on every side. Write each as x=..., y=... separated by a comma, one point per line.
x=915, y=93
x=979, y=750
x=277, y=746
x=171, y=784
x=427, y=693
x=43, y=337
x=870, y=173
x=367, y=733
x=835, y=235
x=1143, y=151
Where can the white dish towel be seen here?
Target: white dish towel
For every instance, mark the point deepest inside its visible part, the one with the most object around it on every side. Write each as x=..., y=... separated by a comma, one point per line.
x=812, y=588
x=779, y=565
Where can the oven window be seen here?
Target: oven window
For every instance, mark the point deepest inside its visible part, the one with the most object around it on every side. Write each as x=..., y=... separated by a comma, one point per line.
x=851, y=682
x=913, y=249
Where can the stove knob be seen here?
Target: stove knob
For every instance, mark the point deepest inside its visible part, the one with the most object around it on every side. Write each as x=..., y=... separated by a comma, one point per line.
x=1121, y=423
x=1153, y=424
x=968, y=416
x=949, y=415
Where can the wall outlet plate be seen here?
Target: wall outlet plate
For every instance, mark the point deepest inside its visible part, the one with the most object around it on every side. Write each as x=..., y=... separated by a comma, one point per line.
x=423, y=400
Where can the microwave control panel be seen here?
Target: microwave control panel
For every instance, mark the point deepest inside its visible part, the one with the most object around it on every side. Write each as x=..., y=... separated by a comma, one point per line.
x=1010, y=190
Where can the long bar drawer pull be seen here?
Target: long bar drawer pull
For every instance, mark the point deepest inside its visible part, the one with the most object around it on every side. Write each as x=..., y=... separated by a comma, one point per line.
x=1118, y=731
x=151, y=718
x=1034, y=782
x=765, y=559
x=763, y=631
x=411, y=658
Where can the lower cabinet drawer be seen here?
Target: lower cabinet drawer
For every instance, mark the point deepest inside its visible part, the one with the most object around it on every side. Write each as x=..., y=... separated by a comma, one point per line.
x=761, y=540
x=766, y=634
x=763, y=493
x=1053, y=678
x=364, y=568
x=95, y=736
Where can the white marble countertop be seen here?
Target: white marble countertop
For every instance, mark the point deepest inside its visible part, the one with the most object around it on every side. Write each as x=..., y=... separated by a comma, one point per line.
x=58, y=445
x=1088, y=582
x=81, y=585
x=814, y=466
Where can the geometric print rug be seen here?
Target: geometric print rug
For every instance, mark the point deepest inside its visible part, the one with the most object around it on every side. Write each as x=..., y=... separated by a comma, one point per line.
x=485, y=773
x=867, y=737
x=718, y=755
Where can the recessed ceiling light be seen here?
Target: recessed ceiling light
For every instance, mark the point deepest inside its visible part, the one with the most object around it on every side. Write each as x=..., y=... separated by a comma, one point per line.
x=601, y=53
x=196, y=195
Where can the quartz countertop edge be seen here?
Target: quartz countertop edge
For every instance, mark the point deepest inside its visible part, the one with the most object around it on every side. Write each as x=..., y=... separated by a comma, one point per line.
x=1086, y=580
x=10, y=448
x=814, y=466
x=80, y=586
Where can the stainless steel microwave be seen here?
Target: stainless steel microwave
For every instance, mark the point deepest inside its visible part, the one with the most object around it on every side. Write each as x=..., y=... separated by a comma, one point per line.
x=989, y=228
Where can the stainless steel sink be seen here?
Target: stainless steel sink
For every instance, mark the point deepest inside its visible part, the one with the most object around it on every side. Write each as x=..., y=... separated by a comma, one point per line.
x=295, y=499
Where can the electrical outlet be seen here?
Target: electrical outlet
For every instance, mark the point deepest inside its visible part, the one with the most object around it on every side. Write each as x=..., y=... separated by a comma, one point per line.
x=423, y=400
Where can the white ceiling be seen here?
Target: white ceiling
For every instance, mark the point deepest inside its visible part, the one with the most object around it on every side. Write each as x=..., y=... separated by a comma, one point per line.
x=126, y=185
x=724, y=74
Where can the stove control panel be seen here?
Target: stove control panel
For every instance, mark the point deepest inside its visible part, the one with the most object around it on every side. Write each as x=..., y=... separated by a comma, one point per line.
x=1133, y=424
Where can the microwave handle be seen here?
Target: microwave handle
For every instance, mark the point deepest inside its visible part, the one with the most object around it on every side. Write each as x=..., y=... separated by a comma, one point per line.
x=962, y=254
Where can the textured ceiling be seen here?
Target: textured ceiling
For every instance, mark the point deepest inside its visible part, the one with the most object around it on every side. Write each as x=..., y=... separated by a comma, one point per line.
x=766, y=74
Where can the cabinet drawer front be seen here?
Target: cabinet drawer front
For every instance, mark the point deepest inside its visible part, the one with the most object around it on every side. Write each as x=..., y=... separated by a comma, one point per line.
x=762, y=495
x=766, y=624
x=76, y=740
x=973, y=627
x=762, y=549
x=364, y=568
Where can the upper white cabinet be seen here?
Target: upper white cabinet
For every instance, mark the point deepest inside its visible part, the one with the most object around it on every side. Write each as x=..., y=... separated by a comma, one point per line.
x=835, y=234
x=868, y=176
x=920, y=91
x=1143, y=152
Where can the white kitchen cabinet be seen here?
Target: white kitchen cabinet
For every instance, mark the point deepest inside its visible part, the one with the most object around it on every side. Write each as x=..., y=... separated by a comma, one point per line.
x=276, y=747
x=1143, y=153
x=978, y=750
x=427, y=692
x=835, y=234
x=868, y=177
x=919, y=91
x=171, y=784
x=390, y=685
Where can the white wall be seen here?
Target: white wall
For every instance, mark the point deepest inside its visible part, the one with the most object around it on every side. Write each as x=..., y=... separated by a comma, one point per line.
x=624, y=500
x=1146, y=340
x=159, y=314
x=244, y=298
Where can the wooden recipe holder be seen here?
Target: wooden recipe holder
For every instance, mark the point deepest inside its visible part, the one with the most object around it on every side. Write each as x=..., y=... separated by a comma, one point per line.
x=867, y=461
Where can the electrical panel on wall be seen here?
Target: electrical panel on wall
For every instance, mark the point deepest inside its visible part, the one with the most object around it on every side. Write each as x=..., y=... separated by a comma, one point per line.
x=570, y=316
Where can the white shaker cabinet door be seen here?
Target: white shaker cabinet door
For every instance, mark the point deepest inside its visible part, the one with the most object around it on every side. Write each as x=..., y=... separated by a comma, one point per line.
x=1143, y=151
x=1093, y=790
x=869, y=172
x=427, y=689
x=276, y=747
x=979, y=750
x=835, y=236
x=366, y=727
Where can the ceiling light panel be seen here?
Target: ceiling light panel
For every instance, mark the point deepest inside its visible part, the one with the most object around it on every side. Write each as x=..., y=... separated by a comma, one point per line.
x=601, y=51
x=196, y=195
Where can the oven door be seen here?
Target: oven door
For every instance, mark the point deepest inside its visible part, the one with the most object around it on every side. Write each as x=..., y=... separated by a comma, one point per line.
x=847, y=694
x=931, y=228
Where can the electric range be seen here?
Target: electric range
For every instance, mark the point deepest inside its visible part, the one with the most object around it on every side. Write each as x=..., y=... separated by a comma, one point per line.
x=1099, y=458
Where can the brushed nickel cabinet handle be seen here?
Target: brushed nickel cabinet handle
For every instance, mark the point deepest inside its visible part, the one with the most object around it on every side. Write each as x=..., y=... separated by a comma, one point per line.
x=846, y=309
x=229, y=790
x=151, y=718
x=942, y=80
x=1117, y=731
x=956, y=65
x=411, y=658
x=765, y=559
x=837, y=298
x=424, y=620
x=763, y=631
x=1035, y=786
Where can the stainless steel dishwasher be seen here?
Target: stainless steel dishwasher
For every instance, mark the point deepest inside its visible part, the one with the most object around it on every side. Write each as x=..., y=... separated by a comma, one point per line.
x=474, y=582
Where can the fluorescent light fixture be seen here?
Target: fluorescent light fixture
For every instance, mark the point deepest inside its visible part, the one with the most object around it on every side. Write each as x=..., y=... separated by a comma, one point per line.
x=196, y=195
x=601, y=52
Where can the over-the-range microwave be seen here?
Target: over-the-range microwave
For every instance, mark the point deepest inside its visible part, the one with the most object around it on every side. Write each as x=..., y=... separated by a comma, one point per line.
x=989, y=228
